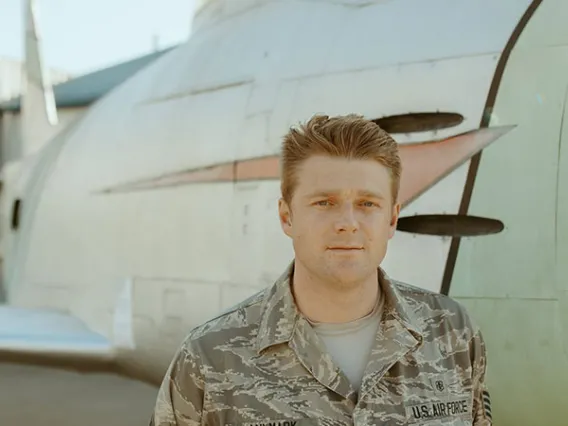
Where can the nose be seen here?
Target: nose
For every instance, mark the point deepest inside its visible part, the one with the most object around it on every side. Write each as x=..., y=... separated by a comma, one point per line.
x=346, y=220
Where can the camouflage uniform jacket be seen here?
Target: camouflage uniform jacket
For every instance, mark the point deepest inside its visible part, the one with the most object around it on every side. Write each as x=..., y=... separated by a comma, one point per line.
x=261, y=364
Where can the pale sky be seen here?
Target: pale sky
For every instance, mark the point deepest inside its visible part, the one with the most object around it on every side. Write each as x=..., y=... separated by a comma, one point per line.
x=80, y=36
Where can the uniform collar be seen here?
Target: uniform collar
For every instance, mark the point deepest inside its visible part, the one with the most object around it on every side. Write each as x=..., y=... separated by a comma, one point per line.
x=399, y=307
x=280, y=315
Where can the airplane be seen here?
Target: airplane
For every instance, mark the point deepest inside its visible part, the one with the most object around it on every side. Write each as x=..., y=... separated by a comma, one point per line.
x=157, y=210
x=38, y=110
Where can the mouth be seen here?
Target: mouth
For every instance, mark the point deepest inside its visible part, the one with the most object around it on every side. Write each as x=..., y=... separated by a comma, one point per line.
x=345, y=248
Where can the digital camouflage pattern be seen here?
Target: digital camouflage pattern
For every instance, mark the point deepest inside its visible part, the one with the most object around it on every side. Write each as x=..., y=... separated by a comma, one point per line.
x=261, y=364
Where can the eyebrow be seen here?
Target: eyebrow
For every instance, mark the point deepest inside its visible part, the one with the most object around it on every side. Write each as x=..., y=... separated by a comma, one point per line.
x=330, y=193
x=371, y=194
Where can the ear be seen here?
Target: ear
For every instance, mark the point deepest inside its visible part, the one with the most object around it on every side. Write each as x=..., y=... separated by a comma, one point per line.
x=285, y=214
x=394, y=220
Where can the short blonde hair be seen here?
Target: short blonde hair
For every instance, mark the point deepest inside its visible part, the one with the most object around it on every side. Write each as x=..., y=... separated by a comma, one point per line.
x=350, y=136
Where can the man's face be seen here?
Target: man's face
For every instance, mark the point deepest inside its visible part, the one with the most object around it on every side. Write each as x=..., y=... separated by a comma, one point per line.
x=341, y=218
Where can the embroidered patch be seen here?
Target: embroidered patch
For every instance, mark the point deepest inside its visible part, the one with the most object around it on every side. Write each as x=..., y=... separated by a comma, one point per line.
x=439, y=410
x=272, y=423
x=487, y=404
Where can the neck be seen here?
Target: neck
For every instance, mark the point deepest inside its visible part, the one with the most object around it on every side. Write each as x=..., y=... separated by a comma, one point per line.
x=328, y=302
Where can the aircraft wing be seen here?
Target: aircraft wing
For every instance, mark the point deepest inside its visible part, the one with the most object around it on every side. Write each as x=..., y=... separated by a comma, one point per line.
x=49, y=333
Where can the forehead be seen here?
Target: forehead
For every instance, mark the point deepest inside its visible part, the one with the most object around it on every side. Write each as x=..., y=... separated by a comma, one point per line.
x=336, y=174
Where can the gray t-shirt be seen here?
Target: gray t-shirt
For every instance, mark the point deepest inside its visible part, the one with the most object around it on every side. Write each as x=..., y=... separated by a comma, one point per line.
x=350, y=343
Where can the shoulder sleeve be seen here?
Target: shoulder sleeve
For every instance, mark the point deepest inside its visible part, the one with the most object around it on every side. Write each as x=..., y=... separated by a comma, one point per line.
x=180, y=397
x=481, y=399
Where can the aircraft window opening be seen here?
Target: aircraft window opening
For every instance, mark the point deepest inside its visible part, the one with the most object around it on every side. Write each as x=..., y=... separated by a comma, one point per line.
x=16, y=210
x=419, y=122
x=449, y=225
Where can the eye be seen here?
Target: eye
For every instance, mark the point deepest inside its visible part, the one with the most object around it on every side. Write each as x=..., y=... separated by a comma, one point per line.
x=323, y=203
x=369, y=204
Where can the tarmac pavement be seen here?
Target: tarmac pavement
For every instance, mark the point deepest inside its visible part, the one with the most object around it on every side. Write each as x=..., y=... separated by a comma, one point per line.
x=43, y=396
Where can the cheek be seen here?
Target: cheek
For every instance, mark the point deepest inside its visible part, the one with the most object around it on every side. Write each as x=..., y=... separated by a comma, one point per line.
x=378, y=228
x=309, y=230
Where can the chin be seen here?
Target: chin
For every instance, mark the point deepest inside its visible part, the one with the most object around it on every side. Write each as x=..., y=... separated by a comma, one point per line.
x=349, y=272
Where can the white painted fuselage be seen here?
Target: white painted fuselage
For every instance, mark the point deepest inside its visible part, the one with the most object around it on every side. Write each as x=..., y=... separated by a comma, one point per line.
x=142, y=267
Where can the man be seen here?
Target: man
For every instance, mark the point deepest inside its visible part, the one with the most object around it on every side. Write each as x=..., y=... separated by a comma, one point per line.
x=334, y=341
